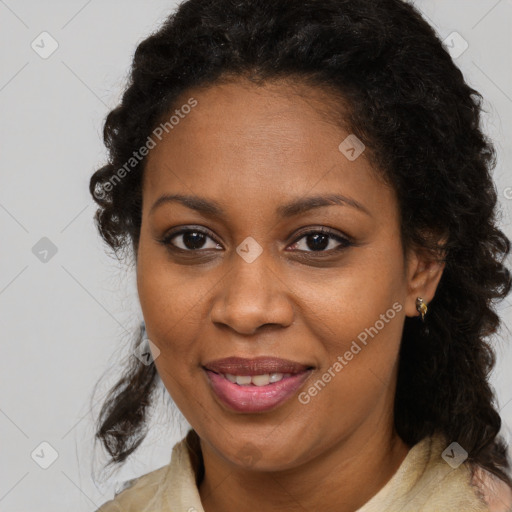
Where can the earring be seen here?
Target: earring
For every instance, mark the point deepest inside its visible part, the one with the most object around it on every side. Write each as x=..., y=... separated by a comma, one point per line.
x=421, y=307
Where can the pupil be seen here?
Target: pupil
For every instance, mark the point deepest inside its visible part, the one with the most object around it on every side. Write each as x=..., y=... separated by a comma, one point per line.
x=315, y=245
x=196, y=240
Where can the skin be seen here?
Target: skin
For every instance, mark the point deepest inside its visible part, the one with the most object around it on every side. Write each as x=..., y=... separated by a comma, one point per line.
x=252, y=149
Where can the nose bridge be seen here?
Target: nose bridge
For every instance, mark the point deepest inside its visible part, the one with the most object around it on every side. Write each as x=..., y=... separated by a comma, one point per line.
x=252, y=295
x=251, y=269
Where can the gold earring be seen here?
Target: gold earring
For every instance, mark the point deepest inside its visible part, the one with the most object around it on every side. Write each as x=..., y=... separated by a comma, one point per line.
x=421, y=307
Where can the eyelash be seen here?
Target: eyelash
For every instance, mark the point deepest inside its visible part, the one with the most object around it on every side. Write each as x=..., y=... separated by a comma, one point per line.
x=345, y=242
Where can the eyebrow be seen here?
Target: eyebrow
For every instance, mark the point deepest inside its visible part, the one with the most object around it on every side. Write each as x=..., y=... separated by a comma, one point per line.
x=297, y=206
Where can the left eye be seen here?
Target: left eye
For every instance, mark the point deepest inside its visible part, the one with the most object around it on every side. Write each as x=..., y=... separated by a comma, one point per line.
x=320, y=239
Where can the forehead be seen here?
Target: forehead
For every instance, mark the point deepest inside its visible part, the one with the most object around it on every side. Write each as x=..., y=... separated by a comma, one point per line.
x=247, y=142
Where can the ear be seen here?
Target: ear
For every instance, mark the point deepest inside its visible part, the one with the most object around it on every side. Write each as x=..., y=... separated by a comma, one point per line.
x=424, y=270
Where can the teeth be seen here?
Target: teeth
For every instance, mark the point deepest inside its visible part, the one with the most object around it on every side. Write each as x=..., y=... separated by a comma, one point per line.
x=256, y=380
x=260, y=380
x=243, y=380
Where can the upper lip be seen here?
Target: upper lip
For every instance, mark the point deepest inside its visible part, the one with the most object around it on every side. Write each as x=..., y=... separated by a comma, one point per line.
x=255, y=366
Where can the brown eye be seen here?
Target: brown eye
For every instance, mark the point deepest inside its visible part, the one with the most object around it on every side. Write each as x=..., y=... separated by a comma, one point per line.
x=190, y=240
x=321, y=239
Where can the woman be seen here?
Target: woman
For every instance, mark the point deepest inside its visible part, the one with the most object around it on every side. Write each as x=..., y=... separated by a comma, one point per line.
x=308, y=195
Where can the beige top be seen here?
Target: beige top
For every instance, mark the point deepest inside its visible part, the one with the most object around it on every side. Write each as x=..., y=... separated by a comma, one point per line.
x=424, y=482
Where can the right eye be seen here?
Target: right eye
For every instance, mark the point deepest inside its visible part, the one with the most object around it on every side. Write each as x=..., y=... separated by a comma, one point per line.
x=192, y=240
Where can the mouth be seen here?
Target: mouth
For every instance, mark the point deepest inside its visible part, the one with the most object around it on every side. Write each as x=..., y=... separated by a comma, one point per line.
x=255, y=385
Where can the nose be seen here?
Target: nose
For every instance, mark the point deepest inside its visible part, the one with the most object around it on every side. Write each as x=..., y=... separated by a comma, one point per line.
x=252, y=296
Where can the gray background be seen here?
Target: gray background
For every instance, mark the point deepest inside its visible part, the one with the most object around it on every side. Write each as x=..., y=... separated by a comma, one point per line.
x=67, y=320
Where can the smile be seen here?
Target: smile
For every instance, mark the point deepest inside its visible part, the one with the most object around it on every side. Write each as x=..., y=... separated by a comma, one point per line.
x=256, y=393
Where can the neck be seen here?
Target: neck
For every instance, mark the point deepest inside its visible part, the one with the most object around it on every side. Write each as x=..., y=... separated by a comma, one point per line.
x=342, y=479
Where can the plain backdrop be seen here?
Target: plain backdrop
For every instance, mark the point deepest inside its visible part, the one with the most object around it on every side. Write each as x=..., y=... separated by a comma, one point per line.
x=68, y=314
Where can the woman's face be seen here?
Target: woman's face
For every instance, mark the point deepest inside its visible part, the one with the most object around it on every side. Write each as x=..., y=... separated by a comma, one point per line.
x=255, y=277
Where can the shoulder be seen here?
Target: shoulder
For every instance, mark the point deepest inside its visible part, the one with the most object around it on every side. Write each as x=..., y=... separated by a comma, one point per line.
x=430, y=480
x=136, y=493
x=496, y=493
x=159, y=489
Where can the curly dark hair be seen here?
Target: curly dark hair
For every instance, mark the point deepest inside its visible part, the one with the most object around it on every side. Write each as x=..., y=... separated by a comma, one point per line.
x=404, y=97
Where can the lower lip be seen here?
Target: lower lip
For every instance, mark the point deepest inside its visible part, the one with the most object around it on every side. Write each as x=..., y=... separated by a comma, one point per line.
x=255, y=398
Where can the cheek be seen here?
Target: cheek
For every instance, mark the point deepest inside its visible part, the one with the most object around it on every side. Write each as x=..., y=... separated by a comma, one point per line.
x=170, y=296
x=167, y=307
x=171, y=312
x=358, y=314
x=173, y=303
x=345, y=304
x=359, y=362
